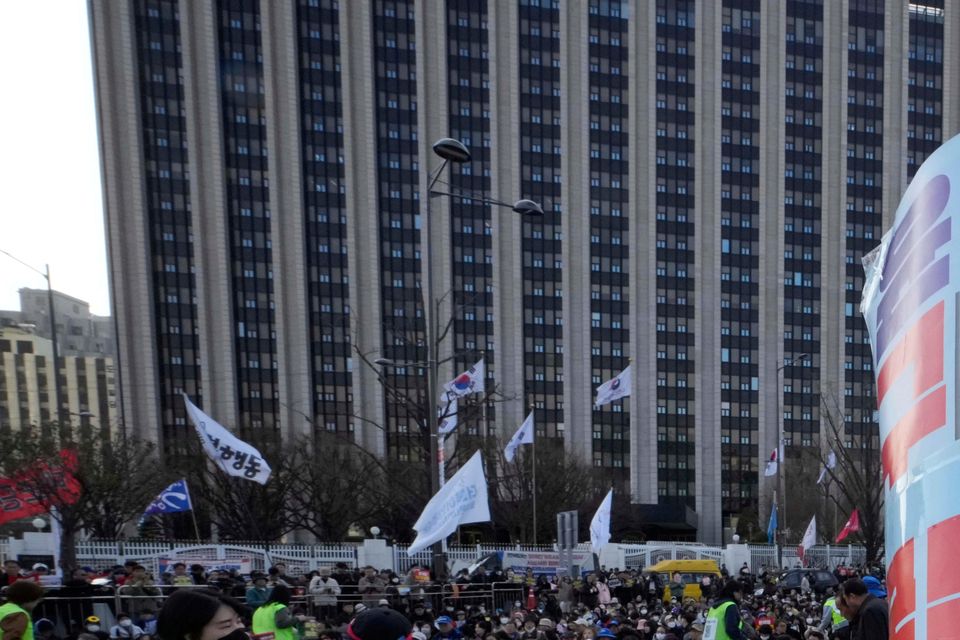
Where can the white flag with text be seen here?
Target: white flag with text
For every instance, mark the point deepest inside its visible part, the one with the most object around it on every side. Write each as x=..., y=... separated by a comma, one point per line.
x=463, y=499
x=600, y=525
x=234, y=456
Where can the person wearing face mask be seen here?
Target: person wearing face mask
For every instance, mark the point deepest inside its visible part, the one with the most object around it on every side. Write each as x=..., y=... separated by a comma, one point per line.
x=92, y=627
x=125, y=628
x=148, y=622
x=765, y=631
x=723, y=619
x=22, y=598
x=201, y=614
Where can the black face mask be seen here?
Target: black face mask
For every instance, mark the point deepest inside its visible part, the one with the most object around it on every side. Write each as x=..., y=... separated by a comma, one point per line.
x=236, y=634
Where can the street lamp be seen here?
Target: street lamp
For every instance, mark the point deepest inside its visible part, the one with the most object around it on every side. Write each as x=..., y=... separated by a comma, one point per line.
x=450, y=150
x=781, y=464
x=53, y=332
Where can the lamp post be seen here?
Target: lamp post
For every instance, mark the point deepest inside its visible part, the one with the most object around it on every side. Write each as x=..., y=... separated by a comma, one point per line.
x=53, y=333
x=449, y=150
x=781, y=463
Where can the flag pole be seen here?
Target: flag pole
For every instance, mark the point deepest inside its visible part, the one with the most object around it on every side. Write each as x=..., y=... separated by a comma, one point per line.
x=533, y=454
x=196, y=529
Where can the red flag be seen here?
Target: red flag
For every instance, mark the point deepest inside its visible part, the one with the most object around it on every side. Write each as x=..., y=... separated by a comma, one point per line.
x=852, y=526
x=39, y=488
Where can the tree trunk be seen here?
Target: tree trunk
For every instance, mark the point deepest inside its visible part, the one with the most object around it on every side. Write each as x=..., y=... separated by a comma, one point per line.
x=68, y=551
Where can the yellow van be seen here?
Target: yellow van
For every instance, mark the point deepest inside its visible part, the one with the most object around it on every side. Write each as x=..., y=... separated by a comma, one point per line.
x=691, y=571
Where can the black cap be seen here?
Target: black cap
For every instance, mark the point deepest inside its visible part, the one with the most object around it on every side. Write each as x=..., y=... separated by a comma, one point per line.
x=379, y=624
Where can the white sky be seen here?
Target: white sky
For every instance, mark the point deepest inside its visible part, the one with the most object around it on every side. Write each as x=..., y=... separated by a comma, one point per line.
x=51, y=207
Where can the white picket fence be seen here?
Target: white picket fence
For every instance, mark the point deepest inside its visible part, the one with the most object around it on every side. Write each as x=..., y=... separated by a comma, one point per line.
x=101, y=554
x=297, y=557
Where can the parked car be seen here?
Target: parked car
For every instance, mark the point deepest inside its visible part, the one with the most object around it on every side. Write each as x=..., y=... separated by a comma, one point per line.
x=820, y=580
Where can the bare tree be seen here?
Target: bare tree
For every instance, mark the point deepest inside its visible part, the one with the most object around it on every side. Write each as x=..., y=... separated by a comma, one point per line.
x=857, y=478
x=337, y=484
x=564, y=482
x=238, y=508
x=86, y=481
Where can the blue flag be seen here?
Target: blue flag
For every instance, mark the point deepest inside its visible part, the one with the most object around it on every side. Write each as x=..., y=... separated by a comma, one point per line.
x=772, y=527
x=173, y=499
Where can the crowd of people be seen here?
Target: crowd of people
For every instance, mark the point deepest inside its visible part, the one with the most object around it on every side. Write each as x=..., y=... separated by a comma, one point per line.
x=483, y=605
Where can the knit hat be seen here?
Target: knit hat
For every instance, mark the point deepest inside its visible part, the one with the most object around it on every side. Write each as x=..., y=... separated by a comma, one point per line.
x=379, y=624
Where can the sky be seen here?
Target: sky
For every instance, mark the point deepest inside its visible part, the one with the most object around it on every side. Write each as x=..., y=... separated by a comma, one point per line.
x=51, y=205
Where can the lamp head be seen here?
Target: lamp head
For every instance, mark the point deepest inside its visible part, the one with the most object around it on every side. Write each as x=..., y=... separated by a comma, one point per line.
x=528, y=208
x=452, y=150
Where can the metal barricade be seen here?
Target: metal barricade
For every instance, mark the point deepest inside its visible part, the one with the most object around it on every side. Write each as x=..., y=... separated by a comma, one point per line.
x=505, y=594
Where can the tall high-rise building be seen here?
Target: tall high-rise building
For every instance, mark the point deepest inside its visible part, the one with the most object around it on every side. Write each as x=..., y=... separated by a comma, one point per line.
x=711, y=173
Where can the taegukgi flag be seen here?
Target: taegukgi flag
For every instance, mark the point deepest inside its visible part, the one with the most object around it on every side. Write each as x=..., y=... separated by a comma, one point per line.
x=173, y=499
x=234, y=456
x=600, y=525
x=463, y=499
x=524, y=435
x=615, y=388
x=470, y=381
x=771, y=467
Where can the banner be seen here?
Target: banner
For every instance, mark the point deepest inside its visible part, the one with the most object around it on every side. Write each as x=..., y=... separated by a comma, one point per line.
x=40, y=488
x=616, y=388
x=910, y=308
x=463, y=499
x=546, y=562
x=173, y=499
x=243, y=566
x=523, y=435
x=470, y=381
x=600, y=525
x=234, y=456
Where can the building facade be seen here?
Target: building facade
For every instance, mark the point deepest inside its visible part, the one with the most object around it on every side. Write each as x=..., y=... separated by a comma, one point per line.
x=28, y=394
x=711, y=173
x=79, y=332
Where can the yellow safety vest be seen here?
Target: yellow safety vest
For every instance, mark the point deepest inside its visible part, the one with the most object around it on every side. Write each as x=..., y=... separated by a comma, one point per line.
x=716, y=627
x=265, y=621
x=11, y=609
x=836, y=618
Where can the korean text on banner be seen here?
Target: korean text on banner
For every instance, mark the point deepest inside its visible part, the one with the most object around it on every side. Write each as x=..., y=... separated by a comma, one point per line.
x=910, y=308
x=234, y=456
x=463, y=499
